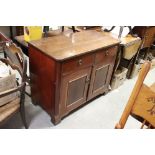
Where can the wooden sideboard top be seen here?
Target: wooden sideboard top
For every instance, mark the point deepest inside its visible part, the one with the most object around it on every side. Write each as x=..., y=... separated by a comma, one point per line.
x=63, y=47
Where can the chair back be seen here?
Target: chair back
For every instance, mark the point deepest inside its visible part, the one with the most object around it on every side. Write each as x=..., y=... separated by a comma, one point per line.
x=17, y=104
x=3, y=40
x=15, y=55
x=21, y=71
x=141, y=103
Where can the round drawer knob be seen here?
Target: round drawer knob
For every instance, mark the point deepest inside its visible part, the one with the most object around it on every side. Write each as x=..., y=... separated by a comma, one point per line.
x=107, y=53
x=80, y=62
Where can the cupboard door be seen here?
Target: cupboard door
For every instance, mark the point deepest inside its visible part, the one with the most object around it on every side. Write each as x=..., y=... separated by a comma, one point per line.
x=74, y=89
x=101, y=75
x=99, y=80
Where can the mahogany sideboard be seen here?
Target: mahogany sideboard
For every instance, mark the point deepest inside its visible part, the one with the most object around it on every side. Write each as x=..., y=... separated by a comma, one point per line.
x=67, y=71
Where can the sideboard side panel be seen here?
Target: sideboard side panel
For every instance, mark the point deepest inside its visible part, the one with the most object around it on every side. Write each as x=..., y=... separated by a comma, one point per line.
x=43, y=77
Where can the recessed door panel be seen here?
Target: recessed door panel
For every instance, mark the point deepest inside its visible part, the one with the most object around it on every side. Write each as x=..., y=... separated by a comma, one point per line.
x=100, y=77
x=99, y=80
x=74, y=90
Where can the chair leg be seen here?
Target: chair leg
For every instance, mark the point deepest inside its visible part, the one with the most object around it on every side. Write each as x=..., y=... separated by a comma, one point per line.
x=22, y=108
x=22, y=113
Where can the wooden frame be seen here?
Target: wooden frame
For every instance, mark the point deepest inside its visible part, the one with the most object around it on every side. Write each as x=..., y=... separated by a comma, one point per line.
x=141, y=102
x=20, y=88
x=15, y=54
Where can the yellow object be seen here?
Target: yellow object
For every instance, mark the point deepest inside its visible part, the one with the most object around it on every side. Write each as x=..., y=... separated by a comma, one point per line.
x=32, y=33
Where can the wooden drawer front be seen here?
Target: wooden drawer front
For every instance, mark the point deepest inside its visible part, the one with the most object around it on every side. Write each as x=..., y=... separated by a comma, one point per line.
x=106, y=55
x=77, y=63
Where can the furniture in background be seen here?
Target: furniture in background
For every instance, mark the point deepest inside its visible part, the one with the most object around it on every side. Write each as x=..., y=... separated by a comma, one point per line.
x=19, y=40
x=19, y=30
x=16, y=56
x=127, y=55
x=141, y=104
x=151, y=57
x=118, y=77
x=130, y=47
x=73, y=28
x=121, y=31
x=7, y=110
x=147, y=34
x=82, y=28
x=68, y=71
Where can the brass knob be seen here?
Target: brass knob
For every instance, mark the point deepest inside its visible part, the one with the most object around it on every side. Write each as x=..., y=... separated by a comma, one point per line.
x=107, y=53
x=80, y=62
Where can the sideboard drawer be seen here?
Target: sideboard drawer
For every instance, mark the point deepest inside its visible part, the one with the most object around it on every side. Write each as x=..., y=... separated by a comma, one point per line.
x=105, y=55
x=77, y=63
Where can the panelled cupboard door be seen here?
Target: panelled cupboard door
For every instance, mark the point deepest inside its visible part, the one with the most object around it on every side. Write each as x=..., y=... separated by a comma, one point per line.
x=74, y=90
x=102, y=71
x=99, y=80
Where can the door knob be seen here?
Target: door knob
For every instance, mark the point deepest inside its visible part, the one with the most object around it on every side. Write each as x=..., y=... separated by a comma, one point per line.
x=80, y=62
x=107, y=53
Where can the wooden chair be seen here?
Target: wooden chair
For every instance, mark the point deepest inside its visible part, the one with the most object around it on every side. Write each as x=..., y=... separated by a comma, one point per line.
x=9, y=109
x=16, y=56
x=11, y=51
x=141, y=104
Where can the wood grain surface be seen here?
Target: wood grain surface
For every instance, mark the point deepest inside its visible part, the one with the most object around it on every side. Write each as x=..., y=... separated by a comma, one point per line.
x=64, y=47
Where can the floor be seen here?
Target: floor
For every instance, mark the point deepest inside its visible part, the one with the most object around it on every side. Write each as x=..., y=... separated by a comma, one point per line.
x=101, y=113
